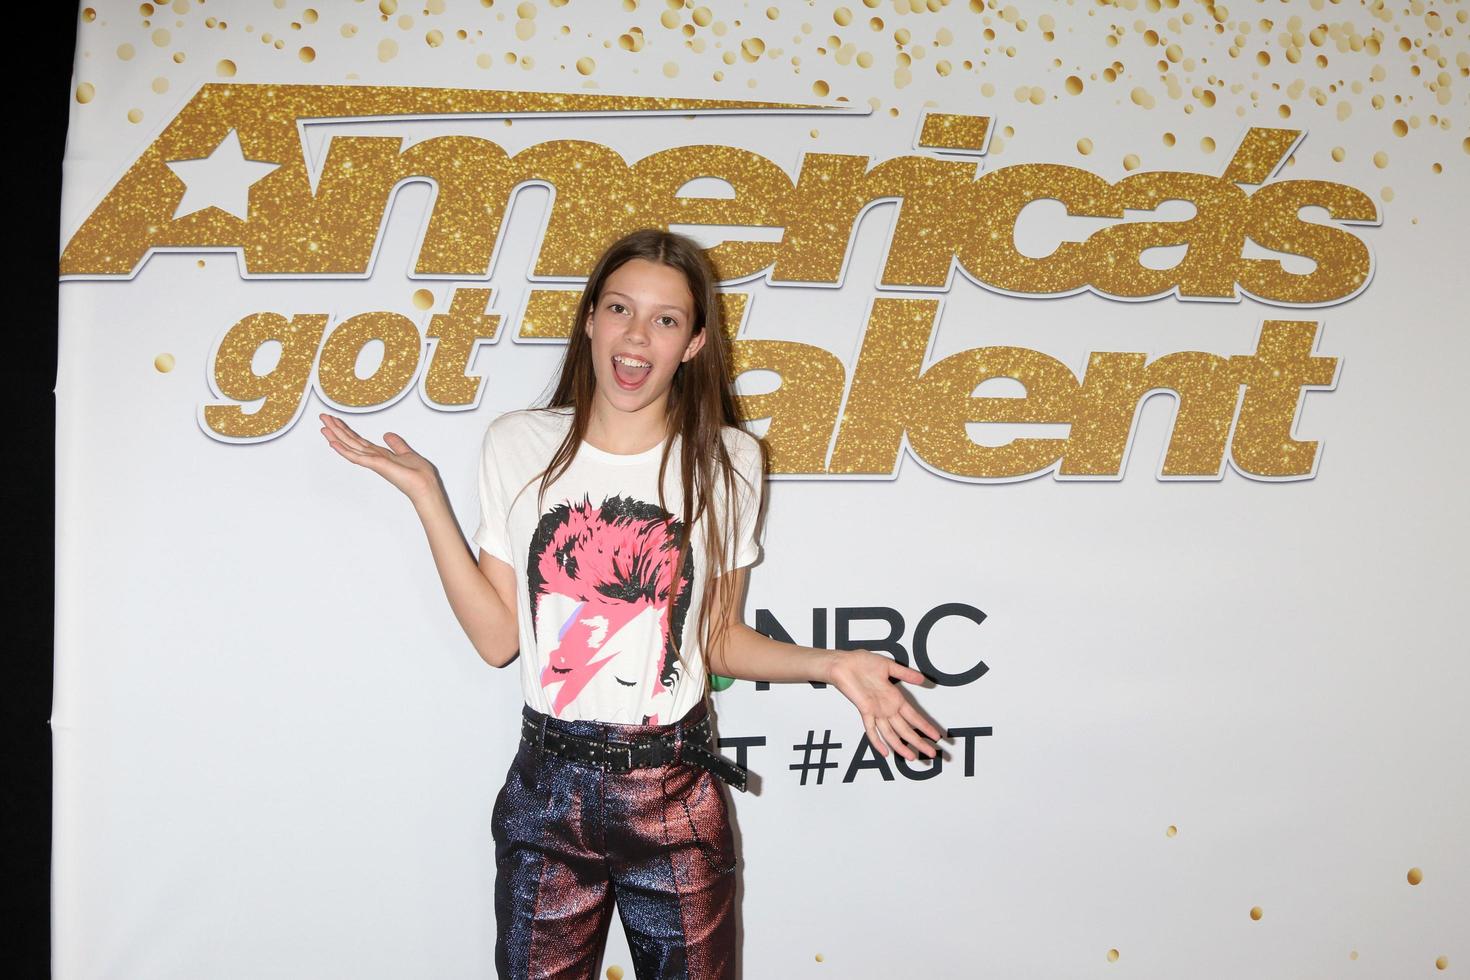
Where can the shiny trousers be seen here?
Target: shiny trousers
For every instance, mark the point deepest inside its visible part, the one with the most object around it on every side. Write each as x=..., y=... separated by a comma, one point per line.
x=572, y=840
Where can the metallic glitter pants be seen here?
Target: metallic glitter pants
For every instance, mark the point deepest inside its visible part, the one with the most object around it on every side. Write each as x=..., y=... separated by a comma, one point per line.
x=572, y=839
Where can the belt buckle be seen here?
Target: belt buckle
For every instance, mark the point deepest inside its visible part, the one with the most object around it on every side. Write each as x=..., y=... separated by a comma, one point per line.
x=607, y=758
x=660, y=752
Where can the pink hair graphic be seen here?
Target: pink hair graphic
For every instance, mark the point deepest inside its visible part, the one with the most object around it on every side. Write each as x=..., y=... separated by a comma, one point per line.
x=616, y=562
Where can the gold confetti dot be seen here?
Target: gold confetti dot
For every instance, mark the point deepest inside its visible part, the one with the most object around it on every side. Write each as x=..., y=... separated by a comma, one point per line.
x=1437, y=168
x=135, y=115
x=1338, y=153
x=1141, y=96
x=821, y=88
x=1400, y=128
x=163, y=363
x=1387, y=193
x=200, y=263
x=423, y=299
x=88, y=14
x=586, y=66
x=161, y=38
x=614, y=972
x=1380, y=159
x=1255, y=913
x=1168, y=139
x=1130, y=162
x=671, y=69
x=1074, y=85
x=1466, y=145
x=307, y=55
x=1036, y=95
x=1172, y=830
x=1415, y=876
x=1084, y=146
x=820, y=957
x=434, y=38
x=1353, y=955
x=388, y=7
x=86, y=92
x=387, y=49
x=842, y=16
x=1443, y=963
x=125, y=52
x=160, y=85
x=1112, y=956
x=1207, y=144
x=225, y=69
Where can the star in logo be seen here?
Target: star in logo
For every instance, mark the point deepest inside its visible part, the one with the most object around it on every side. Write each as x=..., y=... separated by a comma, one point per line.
x=221, y=180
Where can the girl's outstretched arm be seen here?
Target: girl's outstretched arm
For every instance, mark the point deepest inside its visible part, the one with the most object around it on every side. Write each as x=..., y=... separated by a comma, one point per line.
x=482, y=595
x=862, y=676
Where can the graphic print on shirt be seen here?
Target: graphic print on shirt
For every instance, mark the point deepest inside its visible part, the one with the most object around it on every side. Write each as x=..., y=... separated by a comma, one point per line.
x=599, y=578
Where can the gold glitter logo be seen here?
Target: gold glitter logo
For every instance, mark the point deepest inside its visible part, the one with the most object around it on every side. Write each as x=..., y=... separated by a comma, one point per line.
x=299, y=220
x=327, y=223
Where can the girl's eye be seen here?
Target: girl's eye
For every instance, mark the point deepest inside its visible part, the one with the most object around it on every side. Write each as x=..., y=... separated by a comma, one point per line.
x=671, y=321
x=615, y=306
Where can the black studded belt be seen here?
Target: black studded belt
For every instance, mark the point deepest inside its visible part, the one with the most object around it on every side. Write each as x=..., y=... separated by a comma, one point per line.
x=650, y=750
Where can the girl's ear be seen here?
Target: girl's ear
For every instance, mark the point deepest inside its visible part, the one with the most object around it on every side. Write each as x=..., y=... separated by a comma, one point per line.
x=695, y=343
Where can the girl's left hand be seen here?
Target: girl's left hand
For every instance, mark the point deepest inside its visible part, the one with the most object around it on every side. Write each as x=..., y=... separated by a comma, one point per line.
x=863, y=678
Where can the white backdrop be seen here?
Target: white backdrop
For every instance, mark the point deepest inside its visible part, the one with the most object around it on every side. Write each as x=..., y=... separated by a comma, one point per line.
x=276, y=752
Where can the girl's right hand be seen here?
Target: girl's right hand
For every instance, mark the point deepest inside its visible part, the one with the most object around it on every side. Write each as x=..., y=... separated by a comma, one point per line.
x=398, y=464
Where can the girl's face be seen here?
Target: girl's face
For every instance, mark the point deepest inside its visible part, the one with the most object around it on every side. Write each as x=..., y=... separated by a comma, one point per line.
x=642, y=329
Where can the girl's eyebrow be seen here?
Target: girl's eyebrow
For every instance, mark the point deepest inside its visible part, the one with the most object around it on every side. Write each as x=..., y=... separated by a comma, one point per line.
x=667, y=306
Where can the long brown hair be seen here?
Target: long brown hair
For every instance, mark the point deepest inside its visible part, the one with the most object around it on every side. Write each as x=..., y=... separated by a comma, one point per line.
x=701, y=403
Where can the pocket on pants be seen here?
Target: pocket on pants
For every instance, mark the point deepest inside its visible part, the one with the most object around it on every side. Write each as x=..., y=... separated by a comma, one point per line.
x=696, y=815
x=524, y=790
x=495, y=810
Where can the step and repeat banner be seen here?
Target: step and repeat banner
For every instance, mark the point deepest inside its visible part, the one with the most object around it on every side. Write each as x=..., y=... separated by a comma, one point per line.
x=1111, y=359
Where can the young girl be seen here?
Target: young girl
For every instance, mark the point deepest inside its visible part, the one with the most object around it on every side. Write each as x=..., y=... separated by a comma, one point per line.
x=616, y=589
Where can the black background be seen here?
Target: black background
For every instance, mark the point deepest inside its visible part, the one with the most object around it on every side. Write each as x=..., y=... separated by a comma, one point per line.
x=43, y=92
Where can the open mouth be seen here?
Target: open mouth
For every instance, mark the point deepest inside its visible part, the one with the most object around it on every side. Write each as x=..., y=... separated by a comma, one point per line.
x=630, y=371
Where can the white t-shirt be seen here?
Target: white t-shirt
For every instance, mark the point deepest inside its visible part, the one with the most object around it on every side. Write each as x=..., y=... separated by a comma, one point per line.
x=594, y=565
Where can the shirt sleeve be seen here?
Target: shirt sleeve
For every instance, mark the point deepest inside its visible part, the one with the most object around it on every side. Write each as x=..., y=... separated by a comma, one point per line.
x=492, y=535
x=749, y=483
